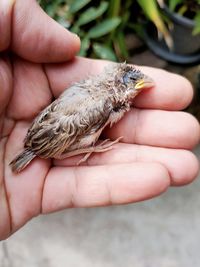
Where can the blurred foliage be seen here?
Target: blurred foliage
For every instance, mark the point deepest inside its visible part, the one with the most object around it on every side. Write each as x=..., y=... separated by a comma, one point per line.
x=102, y=24
x=186, y=8
x=152, y=12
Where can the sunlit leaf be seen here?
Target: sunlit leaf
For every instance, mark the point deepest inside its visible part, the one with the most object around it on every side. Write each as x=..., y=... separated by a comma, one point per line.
x=151, y=10
x=104, y=27
x=104, y=52
x=92, y=13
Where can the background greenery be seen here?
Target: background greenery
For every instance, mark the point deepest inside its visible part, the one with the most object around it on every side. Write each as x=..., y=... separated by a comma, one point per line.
x=102, y=25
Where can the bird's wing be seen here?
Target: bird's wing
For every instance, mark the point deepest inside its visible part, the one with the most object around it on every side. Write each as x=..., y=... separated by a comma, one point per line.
x=60, y=126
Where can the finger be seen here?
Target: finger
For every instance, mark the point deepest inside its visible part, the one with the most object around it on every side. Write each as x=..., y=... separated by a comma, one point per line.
x=5, y=82
x=157, y=128
x=182, y=165
x=31, y=91
x=24, y=190
x=5, y=23
x=5, y=222
x=37, y=37
x=102, y=185
x=171, y=91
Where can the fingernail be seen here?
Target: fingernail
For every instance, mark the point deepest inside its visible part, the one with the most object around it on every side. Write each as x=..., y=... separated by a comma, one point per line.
x=6, y=7
x=7, y=3
x=77, y=40
x=75, y=35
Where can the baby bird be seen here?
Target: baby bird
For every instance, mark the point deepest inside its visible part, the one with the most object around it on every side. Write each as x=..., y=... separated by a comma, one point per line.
x=72, y=124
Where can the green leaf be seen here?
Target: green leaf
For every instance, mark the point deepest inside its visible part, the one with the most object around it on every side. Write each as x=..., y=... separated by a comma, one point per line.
x=182, y=10
x=104, y=27
x=122, y=45
x=85, y=44
x=197, y=24
x=104, y=52
x=151, y=10
x=173, y=4
x=77, y=5
x=92, y=13
x=137, y=28
x=63, y=22
x=114, y=8
x=75, y=29
x=51, y=9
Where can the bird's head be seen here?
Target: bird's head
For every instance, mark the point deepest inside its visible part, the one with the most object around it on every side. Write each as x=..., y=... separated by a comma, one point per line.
x=134, y=80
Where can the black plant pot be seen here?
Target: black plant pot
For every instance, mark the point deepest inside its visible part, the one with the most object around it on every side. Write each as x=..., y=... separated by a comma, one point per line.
x=186, y=48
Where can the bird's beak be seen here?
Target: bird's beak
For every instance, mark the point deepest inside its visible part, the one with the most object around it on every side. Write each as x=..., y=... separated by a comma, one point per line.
x=145, y=82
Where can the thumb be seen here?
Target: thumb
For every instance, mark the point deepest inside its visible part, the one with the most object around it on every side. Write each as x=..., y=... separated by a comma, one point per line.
x=37, y=37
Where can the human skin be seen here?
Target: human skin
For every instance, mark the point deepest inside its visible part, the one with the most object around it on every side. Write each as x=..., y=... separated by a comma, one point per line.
x=36, y=64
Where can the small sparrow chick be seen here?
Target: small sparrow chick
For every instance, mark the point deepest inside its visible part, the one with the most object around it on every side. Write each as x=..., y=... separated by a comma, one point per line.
x=72, y=124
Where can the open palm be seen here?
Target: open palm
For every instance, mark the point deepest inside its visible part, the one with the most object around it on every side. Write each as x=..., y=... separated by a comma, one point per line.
x=154, y=152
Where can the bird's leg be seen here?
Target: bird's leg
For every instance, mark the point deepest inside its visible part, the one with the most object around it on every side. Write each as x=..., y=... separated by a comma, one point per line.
x=102, y=147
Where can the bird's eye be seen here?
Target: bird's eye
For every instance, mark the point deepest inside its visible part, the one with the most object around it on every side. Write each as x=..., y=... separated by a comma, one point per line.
x=129, y=77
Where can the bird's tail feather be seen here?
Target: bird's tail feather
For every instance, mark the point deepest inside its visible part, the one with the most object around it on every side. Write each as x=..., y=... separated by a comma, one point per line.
x=22, y=160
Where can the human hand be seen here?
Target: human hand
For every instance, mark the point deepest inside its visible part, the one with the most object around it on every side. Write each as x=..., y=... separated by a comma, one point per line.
x=29, y=38
x=154, y=153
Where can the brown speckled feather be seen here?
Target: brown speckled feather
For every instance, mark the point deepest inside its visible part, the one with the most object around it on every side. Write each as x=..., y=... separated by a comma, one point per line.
x=72, y=124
